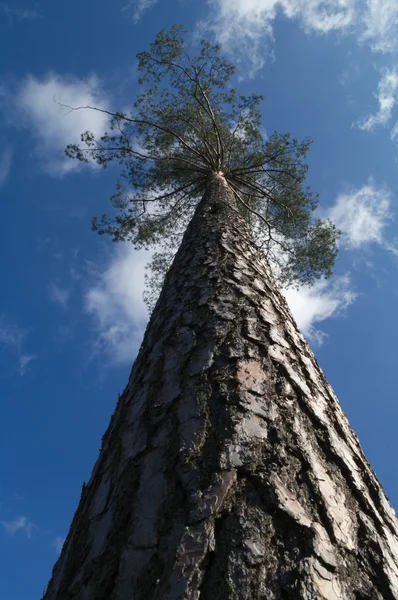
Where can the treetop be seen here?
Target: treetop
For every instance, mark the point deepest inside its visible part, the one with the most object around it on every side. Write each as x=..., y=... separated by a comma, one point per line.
x=188, y=121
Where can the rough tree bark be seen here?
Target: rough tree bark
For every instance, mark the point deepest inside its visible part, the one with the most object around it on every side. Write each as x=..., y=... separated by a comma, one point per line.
x=228, y=470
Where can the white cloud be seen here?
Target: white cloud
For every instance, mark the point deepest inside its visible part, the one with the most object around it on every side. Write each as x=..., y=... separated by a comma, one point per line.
x=139, y=7
x=325, y=299
x=19, y=524
x=60, y=295
x=5, y=164
x=116, y=305
x=362, y=215
x=37, y=106
x=380, y=24
x=245, y=27
x=24, y=361
x=387, y=95
x=323, y=16
x=58, y=544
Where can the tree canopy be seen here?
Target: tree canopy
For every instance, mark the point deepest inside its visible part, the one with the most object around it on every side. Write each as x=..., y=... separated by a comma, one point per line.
x=187, y=122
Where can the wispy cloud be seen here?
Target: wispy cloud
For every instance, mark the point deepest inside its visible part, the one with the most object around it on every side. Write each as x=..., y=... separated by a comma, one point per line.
x=59, y=294
x=387, y=95
x=58, y=544
x=13, y=337
x=138, y=7
x=312, y=305
x=5, y=164
x=362, y=214
x=114, y=301
x=350, y=72
x=10, y=333
x=18, y=13
x=39, y=105
x=19, y=524
x=24, y=361
x=245, y=28
x=380, y=20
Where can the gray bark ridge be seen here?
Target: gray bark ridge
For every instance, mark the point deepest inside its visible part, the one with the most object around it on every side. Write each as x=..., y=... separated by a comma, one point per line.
x=228, y=470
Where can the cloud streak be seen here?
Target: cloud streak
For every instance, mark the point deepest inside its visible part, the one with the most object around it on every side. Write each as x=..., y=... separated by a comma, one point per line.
x=10, y=333
x=19, y=524
x=387, y=95
x=24, y=361
x=13, y=337
x=138, y=7
x=59, y=295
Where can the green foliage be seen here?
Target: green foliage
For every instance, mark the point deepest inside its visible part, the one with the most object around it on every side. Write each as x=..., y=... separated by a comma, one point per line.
x=187, y=122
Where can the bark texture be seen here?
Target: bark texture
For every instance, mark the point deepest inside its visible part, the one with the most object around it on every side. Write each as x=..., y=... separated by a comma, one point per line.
x=228, y=470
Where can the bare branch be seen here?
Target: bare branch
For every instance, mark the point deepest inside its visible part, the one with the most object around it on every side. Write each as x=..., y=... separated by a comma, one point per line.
x=138, y=121
x=263, y=193
x=263, y=219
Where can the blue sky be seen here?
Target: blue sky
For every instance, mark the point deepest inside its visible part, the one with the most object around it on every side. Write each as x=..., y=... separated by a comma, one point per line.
x=71, y=310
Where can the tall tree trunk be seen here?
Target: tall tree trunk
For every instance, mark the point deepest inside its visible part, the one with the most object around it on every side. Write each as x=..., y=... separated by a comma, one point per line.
x=228, y=470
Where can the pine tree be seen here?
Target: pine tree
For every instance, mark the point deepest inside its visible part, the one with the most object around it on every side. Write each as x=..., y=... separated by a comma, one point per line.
x=228, y=470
